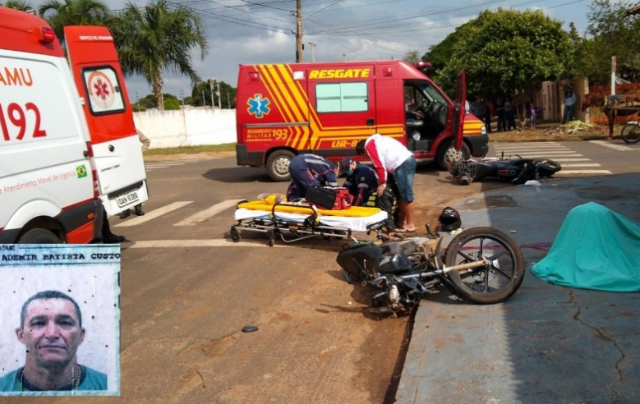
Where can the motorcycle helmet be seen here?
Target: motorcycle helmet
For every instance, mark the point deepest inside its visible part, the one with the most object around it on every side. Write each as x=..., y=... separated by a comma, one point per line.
x=449, y=219
x=452, y=156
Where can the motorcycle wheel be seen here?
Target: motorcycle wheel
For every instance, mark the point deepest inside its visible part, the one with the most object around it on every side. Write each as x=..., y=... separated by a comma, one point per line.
x=546, y=168
x=485, y=285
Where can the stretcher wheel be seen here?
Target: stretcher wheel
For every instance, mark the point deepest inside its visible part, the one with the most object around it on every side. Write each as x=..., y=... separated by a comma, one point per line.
x=235, y=235
x=271, y=236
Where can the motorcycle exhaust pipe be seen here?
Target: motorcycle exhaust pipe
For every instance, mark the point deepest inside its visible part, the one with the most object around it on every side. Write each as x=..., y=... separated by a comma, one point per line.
x=482, y=263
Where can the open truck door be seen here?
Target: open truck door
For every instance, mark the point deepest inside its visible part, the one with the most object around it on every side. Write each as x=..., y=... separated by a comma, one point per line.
x=114, y=146
x=459, y=110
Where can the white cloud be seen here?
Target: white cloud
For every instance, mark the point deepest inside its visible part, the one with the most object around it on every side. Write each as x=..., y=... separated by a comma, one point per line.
x=242, y=32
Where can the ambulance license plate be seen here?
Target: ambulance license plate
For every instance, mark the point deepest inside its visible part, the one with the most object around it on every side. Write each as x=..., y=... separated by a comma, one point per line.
x=127, y=199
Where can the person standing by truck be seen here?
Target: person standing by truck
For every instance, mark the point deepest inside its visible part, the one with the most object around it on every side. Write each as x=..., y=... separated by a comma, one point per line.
x=145, y=146
x=396, y=166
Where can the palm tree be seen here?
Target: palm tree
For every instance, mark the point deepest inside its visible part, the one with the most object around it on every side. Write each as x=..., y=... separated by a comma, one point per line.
x=156, y=38
x=73, y=12
x=21, y=5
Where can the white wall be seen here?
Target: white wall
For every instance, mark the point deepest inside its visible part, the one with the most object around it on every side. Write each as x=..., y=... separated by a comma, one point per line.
x=187, y=127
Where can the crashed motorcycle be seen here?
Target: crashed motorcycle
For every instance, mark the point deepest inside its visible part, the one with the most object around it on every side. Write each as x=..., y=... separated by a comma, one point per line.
x=480, y=265
x=517, y=171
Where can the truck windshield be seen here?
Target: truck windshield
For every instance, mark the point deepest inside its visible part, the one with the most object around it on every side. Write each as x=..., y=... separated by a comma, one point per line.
x=429, y=92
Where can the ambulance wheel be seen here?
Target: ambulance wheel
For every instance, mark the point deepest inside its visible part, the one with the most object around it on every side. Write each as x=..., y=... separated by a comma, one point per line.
x=442, y=151
x=278, y=165
x=235, y=236
x=39, y=236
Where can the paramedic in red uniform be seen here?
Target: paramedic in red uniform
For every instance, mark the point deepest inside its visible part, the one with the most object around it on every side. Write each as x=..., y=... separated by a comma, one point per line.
x=362, y=182
x=309, y=171
x=396, y=166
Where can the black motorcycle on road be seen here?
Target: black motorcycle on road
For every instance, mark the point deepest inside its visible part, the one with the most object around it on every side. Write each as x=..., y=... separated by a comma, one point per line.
x=480, y=265
x=517, y=171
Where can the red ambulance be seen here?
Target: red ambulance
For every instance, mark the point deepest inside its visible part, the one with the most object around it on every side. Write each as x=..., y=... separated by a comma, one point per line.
x=326, y=108
x=68, y=145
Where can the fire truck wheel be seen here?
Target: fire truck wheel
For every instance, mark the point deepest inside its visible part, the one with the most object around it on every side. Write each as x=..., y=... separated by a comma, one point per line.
x=442, y=152
x=278, y=165
x=39, y=236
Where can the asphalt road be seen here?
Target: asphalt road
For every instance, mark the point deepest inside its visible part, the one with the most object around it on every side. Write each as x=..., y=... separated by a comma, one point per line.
x=188, y=290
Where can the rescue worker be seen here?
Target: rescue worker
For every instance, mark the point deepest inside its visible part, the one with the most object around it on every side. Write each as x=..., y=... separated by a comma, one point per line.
x=362, y=182
x=393, y=162
x=309, y=171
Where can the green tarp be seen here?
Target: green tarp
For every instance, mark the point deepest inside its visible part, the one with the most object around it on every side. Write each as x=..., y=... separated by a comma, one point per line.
x=597, y=249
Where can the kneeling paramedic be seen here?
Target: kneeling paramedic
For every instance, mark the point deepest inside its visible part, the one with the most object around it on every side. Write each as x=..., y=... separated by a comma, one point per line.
x=309, y=171
x=362, y=183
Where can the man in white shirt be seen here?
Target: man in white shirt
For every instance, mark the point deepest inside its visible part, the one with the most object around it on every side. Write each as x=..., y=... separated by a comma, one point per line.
x=396, y=166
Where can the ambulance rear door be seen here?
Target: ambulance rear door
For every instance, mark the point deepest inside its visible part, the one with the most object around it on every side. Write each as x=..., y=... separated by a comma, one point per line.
x=116, y=149
x=343, y=106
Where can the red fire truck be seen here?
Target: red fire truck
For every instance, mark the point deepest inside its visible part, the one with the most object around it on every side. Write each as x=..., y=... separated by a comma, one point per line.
x=326, y=108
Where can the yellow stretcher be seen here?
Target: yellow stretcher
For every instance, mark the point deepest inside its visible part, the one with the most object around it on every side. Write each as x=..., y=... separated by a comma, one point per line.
x=295, y=222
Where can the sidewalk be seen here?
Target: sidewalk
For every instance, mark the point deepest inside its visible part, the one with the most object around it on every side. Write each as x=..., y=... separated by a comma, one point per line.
x=547, y=344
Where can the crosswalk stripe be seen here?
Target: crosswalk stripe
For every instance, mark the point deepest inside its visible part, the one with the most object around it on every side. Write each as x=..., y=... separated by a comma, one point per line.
x=194, y=243
x=510, y=149
x=520, y=145
x=581, y=165
x=561, y=160
x=611, y=145
x=206, y=214
x=550, y=155
x=157, y=166
x=153, y=214
x=569, y=172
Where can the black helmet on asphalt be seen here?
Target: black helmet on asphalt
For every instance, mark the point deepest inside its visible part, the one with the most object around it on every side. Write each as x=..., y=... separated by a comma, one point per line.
x=449, y=219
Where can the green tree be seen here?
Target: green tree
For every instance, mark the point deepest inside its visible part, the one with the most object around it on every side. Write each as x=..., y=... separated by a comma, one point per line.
x=171, y=104
x=201, y=94
x=203, y=89
x=228, y=95
x=613, y=34
x=21, y=5
x=439, y=55
x=157, y=38
x=412, y=57
x=510, y=52
x=73, y=12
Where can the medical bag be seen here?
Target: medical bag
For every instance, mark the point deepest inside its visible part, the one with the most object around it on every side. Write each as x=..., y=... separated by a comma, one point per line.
x=334, y=198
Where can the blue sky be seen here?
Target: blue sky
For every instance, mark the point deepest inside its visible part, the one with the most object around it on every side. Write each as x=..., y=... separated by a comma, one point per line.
x=261, y=31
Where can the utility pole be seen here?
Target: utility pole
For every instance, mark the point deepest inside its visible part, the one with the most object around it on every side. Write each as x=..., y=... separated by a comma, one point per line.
x=313, y=53
x=299, y=45
x=218, y=94
x=211, y=89
x=204, y=101
x=344, y=57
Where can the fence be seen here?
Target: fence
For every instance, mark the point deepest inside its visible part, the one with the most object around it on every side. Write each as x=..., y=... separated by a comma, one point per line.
x=187, y=127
